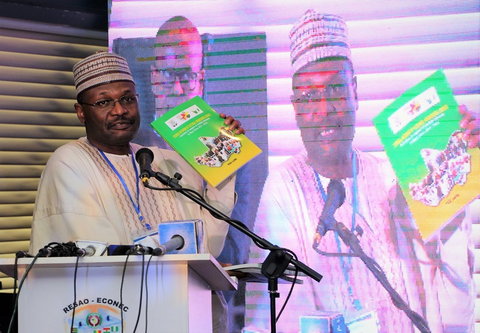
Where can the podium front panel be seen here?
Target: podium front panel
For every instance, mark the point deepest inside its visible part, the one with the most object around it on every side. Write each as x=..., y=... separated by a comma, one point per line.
x=178, y=299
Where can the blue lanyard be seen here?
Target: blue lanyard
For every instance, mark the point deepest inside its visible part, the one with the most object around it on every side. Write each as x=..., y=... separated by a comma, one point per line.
x=136, y=206
x=356, y=302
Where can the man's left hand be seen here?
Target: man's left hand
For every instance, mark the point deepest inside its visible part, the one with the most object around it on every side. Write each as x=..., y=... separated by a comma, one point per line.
x=471, y=126
x=233, y=124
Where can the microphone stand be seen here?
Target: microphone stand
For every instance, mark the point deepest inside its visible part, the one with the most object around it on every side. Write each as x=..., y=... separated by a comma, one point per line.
x=276, y=262
x=351, y=240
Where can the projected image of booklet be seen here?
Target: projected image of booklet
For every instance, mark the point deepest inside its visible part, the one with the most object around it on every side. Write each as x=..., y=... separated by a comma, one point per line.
x=437, y=172
x=196, y=131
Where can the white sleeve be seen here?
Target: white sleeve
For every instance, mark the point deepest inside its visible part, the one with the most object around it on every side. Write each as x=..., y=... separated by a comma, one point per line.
x=68, y=206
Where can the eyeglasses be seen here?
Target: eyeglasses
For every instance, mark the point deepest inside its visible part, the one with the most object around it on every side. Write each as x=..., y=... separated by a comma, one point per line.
x=167, y=78
x=331, y=92
x=126, y=101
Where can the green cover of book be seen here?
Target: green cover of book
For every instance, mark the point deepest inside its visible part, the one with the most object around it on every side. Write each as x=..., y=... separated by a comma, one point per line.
x=436, y=171
x=196, y=131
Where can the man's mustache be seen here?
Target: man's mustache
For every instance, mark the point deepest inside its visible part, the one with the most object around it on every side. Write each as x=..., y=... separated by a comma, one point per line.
x=121, y=120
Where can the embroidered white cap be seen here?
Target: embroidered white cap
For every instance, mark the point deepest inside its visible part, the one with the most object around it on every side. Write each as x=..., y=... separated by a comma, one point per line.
x=100, y=68
x=316, y=36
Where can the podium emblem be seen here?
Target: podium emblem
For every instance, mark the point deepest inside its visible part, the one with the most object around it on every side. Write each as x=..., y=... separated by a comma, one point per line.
x=94, y=319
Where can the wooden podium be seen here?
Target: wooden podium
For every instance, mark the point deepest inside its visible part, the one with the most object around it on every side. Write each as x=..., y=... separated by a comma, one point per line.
x=179, y=293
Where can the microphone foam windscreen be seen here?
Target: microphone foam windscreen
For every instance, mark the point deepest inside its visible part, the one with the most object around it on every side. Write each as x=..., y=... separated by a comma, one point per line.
x=190, y=230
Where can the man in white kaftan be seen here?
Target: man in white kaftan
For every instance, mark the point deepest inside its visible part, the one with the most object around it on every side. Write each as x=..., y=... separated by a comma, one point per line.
x=289, y=215
x=434, y=279
x=89, y=203
x=90, y=189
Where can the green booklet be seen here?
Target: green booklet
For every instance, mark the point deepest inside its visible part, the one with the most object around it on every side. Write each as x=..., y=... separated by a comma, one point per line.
x=436, y=171
x=196, y=131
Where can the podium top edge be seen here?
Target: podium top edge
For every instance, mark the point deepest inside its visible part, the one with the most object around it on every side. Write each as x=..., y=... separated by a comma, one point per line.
x=176, y=258
x=203, y=264
x=7, y=264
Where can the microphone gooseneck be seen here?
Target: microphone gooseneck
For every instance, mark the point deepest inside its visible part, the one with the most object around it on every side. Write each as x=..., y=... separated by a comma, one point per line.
x=335, y=198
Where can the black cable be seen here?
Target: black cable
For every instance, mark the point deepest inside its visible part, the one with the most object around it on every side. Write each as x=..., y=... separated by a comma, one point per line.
x=121, y=290
x=198, y=195
x=215, y=213
x=27, y=270
x=146, y=293
x=291, y=287
x=260, y=242
x=52, y=246
x=55, y=249
x=15, y=277
x=288, y=295
x=74, y=294
x=260, y=245
x=141, y=293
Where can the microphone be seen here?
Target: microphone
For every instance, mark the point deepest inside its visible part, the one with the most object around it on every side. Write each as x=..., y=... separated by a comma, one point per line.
x=46, y=252
x=55, y=249
x=23, y=254
x=140, y=249
x=180, y=237
x=175, y=243
x=120, y=250
x=176, y=237
x=144, y=157
x=88, y=248
x=335, y=198
x=88, y=251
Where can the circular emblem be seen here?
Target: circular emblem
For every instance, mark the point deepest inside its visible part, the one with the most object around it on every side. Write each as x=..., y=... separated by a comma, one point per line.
x=94, y=319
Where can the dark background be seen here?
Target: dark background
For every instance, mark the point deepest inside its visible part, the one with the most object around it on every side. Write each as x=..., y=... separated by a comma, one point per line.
x=82, y=14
